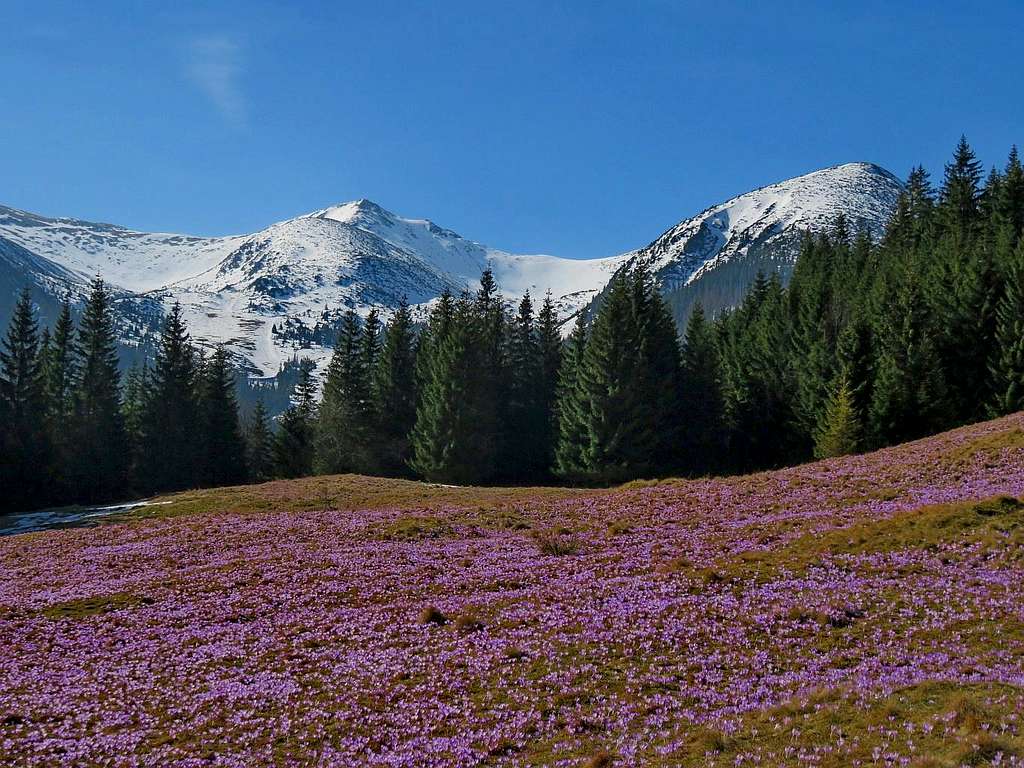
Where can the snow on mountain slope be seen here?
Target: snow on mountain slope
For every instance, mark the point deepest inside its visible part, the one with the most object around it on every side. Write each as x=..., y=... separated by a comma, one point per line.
x=264, y=295
x=278, y=292
x=714, y=256
x=136, y=261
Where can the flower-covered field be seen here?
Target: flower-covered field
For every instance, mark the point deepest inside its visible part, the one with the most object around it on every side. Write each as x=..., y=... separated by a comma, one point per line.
x=863, y=611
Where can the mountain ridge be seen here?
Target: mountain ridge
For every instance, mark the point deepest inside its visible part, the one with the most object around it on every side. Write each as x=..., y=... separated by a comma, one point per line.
x=275, y=293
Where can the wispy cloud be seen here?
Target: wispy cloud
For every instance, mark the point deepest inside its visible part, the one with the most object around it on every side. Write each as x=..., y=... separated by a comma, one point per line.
x=215, y=64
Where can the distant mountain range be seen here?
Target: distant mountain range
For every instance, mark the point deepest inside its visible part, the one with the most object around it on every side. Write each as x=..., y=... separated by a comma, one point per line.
x=278, y=293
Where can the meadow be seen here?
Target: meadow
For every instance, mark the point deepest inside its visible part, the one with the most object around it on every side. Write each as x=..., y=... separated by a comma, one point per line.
x=862, y=611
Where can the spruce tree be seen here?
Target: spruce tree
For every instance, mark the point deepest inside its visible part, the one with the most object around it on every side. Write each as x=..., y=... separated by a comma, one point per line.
x=839, y=432
x=549, y=341
x=701, y=401
x=487, y=379
x=60, y=371
x=259, y=444
x=25, y=459
x=618, y=443
x=961, y=193
x=340, y=429
x=221, y=447
x=394, y=394
x=571, y=406
x=527, y=451
x=99, y=462
x=909, y=392
x=1007, y=366
x=293, y=445
x=444, y=445
x=136, y=398
x=660, y=372
x=170, y=454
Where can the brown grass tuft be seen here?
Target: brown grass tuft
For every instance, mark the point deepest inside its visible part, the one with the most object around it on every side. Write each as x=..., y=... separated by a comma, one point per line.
x=431, y=615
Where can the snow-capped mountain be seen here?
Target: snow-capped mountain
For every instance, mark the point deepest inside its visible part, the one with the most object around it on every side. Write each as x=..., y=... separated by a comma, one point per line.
x=714, y=256
x=278, y=292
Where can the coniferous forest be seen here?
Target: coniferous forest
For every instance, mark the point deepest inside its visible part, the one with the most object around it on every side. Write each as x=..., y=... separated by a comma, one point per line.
x=870, y=344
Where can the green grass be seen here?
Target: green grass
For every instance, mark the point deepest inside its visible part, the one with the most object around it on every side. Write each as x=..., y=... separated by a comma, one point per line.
x=93, y=606
x=995, y=522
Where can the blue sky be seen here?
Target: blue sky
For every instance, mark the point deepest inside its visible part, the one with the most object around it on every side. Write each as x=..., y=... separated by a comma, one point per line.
x=574, y=128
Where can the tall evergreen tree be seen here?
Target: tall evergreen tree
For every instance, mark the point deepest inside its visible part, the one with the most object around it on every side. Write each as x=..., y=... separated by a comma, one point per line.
x=344, y=425
x=259, y=444
x=1007, y=366
x=839, y=432
x=25, y=448
x=221, y=447
x=527, y=452
x=571, y=406
x=618, y=443
x=395, y=393
x=294, y=440
x=660, y=372
x=98, y=467
x=170, y=454
x=549, y=342
x=701, y=402
x=909, y=394
x=444, y=445
x=136, y=398
x=60, y=370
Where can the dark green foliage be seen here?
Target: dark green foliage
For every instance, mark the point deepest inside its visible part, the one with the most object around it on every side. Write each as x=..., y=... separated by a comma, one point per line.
x=839, y=433
x=870, y=344
x=701, y=403
x=909, y=397
x=394, y=394
x=259, y=444
x=527, y=450
x=24, y=444
x=98, y=467
x=171, y=428
x=1007, y=368
x=294, y=440
x=221, y=450
x=571, y=406
x=344, y=415
x=445, y=437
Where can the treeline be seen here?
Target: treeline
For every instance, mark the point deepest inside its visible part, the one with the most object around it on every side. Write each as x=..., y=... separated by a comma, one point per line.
x=76, y=431
x=870, y=344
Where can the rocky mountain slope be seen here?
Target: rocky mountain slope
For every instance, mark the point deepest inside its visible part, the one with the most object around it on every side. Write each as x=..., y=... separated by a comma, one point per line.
x=279, y=292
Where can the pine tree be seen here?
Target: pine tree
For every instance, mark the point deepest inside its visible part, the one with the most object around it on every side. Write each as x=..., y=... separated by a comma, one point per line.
x=618, y=443
x=660, y=372
x=25, y=448
x=961, y=193
x=549, y=342
x=136, y=398
x=444, y=444
x=99, y=456
x=60, y=371
x=571, y=407
x=395, y=393
x=294, y=440
x=259, y=443
x=839, y=432
x=527, y=452
x=170, y=456
x=487, y=379
x=701, y=400
x=221, y=447
x=909, y=393
x=341, y=427
x=1007, y=366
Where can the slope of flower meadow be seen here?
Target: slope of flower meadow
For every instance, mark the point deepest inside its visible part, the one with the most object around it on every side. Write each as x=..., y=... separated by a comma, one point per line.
x=862, y=611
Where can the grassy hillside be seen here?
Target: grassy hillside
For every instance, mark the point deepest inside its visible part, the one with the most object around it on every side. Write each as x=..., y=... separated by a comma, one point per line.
x=861, y=611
